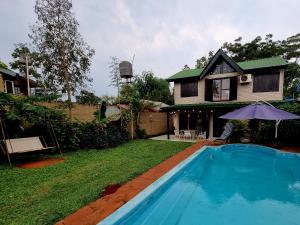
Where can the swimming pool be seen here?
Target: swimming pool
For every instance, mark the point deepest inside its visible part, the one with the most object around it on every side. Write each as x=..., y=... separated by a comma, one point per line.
x=230, y=184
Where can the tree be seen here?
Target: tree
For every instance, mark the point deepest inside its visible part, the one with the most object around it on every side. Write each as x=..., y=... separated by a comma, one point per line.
x=202, y=62
x=19, y=53
x=258, y=48
x=3, y=65
x=66, y=58
x=115, y=73
x=186, y=67
x=255, y=49
x=87, y=97
x=152, y=88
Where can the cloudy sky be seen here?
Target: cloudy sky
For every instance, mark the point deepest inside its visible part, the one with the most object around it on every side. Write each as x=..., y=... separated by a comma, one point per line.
x=163, y=34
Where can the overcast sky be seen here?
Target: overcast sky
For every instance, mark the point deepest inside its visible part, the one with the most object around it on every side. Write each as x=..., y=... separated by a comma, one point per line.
x=163, y=34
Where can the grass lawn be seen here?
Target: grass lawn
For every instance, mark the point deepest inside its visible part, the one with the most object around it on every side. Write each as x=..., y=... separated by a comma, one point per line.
x=46, y=195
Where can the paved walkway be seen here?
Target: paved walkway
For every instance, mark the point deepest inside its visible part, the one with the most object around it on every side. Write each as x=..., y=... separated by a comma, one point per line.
x=96, y=211
x=164, y=137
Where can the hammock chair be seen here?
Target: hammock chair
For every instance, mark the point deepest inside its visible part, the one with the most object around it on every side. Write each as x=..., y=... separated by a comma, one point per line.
x=28, y=144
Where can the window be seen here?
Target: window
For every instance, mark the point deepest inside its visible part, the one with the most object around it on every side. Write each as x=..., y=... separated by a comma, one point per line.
x=9, y=86
x=222, y=67
x=221, y=89
x=189, y=88
x=266, y=82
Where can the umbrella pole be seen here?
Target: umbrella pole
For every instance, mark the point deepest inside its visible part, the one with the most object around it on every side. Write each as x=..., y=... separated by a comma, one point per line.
x=276, y=127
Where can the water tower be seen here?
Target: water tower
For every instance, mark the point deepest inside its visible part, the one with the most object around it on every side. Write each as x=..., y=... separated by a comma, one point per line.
x=125, y=68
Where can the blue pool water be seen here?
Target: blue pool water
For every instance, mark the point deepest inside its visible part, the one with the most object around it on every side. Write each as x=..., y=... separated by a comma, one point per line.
x=232, y=184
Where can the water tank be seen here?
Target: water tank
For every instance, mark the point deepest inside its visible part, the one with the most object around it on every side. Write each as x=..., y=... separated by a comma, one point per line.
x=125, y=68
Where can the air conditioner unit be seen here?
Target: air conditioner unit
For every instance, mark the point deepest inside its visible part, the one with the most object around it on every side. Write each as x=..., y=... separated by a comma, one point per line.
x=245, y=78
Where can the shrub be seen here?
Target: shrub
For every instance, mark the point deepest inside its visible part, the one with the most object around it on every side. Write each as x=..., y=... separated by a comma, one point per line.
x=140, y=133
x=96, y=135
x=288, y=133
x=240, y=130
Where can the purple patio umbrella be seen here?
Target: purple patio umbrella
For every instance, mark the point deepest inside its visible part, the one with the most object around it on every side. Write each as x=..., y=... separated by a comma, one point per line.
x=262, y=112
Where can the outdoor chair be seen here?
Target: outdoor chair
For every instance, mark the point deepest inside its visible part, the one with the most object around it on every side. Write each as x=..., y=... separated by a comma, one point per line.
x=201, y=135
x=226, y=133
x=177, y=134
x=22, y=145
x=187, y=134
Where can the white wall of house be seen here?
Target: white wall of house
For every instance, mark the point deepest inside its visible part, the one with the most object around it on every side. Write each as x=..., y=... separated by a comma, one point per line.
x=244, y=91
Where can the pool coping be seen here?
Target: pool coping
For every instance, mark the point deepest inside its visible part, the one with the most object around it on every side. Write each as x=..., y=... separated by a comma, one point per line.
x=95, y=212
x=144, y=194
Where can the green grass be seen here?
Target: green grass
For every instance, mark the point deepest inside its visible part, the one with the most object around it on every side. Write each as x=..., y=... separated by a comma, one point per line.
x=46, y=195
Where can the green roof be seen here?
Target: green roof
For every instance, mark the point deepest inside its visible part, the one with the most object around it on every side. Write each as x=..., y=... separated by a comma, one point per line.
x=262, y=63
x=186, y=74
x=245, y=65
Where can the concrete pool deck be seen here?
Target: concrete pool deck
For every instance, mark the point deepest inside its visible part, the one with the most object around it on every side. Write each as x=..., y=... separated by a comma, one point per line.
x=96, y=211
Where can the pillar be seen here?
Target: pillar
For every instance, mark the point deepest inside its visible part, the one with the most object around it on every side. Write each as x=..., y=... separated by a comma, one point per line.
x=168, y=124
x=211, y=124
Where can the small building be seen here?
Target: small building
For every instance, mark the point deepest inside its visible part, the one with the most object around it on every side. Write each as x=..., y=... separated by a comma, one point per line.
x=13, y=83
x=202, y=95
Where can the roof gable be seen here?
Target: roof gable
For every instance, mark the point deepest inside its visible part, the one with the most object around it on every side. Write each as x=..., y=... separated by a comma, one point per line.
x=220, y=55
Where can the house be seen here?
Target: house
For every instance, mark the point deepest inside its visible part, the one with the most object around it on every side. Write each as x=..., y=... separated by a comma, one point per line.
x=13, y=83
x=202, y=95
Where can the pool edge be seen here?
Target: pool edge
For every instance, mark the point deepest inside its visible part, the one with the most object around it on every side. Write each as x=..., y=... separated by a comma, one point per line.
x=130, y=205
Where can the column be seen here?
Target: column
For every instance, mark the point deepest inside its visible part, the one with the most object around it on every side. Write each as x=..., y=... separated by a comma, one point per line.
x=211, y=124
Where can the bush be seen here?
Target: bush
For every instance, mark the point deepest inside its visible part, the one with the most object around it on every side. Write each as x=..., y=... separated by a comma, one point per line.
x=288, y=133
x=240, y=130
x=140, y=133
x=73, y=136
x=96, y=135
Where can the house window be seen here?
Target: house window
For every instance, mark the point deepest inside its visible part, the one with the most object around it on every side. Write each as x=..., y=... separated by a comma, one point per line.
x=221, y=89
x=222, y=67
x=189, y=88
x=266, y=82
x=9, y=86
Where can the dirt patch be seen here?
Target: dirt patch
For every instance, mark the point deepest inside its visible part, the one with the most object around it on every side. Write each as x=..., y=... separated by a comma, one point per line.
x=40, y=163
x=110, y=189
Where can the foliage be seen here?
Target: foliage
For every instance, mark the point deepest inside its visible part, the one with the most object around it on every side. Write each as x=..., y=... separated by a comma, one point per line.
x=20, y=52
x=23, y=109
x=97, y=136
x=293, y=107
x=87, y=97
x=65, y=57
x=152, y=88
x=100, y=114
x=125, y=118
x=109, y=99
x=59, y=190
x=203, y=61
x=240, y=130
x=288, y=130
x=115, y=73
x=289, y=49
x=24, y=117
x=140, y=133
x=3, y=65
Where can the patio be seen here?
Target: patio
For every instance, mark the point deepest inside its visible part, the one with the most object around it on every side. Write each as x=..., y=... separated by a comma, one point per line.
x=164, y=137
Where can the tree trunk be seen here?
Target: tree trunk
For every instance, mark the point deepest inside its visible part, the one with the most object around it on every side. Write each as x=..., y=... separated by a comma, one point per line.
x=67, y=81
